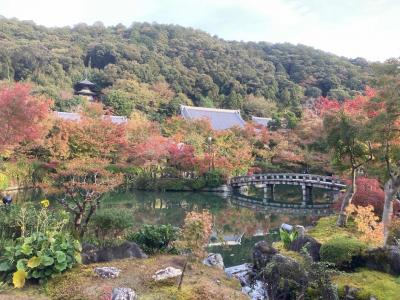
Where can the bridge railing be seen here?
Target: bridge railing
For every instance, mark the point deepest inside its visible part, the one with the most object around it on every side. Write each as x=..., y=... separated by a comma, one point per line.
x=294, y=177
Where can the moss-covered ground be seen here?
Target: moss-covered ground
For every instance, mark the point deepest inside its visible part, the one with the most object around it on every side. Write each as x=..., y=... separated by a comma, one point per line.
x=327, y=229
x=370, y=283
x=200, y=282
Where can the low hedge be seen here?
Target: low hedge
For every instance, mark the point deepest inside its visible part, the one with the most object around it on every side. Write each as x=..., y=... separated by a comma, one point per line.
x=344, y=252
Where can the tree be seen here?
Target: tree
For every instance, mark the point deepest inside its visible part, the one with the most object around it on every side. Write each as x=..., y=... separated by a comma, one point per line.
x=385, y=131
x=81, y=184
x=119, y=102
x=351, y=149
x=23, y=116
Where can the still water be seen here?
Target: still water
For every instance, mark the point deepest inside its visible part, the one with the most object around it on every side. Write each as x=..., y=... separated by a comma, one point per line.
x=231, y=217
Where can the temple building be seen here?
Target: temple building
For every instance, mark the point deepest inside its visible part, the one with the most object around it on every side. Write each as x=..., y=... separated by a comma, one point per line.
x=219, y=119
x=86, y=89
x=261, y=121
x=70, y=116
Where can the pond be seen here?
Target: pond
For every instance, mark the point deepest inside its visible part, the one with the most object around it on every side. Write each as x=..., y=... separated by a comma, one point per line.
x=231, y=216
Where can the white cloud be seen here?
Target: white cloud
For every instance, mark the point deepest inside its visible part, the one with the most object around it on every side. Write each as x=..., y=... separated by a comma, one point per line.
x=367, y=28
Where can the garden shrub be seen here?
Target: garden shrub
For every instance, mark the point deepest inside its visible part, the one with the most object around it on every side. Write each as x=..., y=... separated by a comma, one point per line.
x=111, y=222
x=39, y=256
x=155, y=238
x=214, y=178
x=342, y=251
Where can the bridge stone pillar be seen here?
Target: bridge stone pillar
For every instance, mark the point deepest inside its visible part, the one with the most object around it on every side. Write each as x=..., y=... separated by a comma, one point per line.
x=307, y=194
x=269, y=192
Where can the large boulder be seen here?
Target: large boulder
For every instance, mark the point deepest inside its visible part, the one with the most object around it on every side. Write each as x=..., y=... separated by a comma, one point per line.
x=262, y=254
x=123, y=294
x=214, y=260
x=311, y=244
x=284, y=275
x=93, y=254
x=169, y=272
x=107, y=272
x=384, y=259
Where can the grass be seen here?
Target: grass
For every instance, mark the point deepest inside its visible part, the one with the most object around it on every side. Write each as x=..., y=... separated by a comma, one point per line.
x=327, y=229
x=370, y=283
x=200, y=282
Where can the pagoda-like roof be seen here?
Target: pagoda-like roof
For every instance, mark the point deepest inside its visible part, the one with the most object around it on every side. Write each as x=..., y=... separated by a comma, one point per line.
x=86, y=82
x=220, y=119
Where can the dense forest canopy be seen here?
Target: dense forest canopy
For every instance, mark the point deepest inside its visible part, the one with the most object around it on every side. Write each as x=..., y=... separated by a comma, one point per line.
x=145, y=63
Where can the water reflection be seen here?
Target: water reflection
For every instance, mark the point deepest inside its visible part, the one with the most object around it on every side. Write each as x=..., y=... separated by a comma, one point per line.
x=231, y=215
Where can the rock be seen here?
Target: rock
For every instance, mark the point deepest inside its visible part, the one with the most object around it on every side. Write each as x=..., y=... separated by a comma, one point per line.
x=123, y=294
x=243, y=273
x=92, y=254
x=107, y=272
x=169, y=272
x=384, y=259
x=262, y=254
x=311, y=244
x=256, y=291
x=350, y=293
x=214, y=260
x=283, y=269
x=300, y=230
x=286, y=227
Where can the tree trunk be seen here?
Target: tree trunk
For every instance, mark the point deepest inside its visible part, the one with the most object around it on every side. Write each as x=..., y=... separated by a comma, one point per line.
x=348, y=198
x=387, y=208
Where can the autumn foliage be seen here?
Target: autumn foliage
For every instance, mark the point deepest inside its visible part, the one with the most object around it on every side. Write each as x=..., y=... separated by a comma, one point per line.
x=23, y=116
x=368, y=224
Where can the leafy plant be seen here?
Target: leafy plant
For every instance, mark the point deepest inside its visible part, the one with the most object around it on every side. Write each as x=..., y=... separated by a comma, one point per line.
x=287, y=237
x=155, y=239
x=39, y=256
x=111, y=222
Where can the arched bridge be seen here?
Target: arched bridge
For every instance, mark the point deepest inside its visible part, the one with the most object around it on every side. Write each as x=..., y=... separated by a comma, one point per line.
x=306, y=181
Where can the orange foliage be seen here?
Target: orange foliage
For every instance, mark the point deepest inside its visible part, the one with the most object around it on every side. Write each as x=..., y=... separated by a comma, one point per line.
x=197, y=231
x=367, y=223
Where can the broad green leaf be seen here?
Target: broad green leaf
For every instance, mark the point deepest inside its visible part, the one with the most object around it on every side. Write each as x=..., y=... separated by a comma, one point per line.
x=26, y=249
x=5, y=266
x=19, y=279
x=46, y=260
x=61, y=266
x=60, y=256
x=21, y=264
x=34, y=262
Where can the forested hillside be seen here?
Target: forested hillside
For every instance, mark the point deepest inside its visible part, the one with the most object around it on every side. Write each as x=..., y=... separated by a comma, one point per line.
x=154, y=67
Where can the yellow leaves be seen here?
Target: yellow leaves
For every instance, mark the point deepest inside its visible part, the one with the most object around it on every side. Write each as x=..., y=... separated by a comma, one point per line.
x=19, y=279
x=45, y=203
x=367, y=223
x=33, y=262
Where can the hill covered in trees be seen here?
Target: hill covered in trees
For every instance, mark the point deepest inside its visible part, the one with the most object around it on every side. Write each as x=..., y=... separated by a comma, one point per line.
x=154, y=68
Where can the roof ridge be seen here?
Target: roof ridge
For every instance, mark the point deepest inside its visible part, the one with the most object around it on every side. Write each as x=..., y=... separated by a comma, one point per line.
x=211, y=109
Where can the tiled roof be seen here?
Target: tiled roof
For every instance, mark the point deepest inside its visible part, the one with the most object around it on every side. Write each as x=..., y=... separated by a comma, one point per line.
x=68, y=116
x=220, y=119
x=261, y=121
x=76, y=117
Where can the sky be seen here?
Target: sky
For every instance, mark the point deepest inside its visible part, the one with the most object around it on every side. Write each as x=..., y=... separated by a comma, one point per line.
x=351, y=28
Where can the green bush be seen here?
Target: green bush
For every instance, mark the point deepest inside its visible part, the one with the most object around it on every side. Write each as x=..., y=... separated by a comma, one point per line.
x=214, y=178
x=39, y=256
x=111, y=222
x=155, y=239
x=342, y=251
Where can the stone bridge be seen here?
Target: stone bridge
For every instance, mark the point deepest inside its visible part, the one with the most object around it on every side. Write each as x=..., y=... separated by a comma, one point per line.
x=306, y=181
